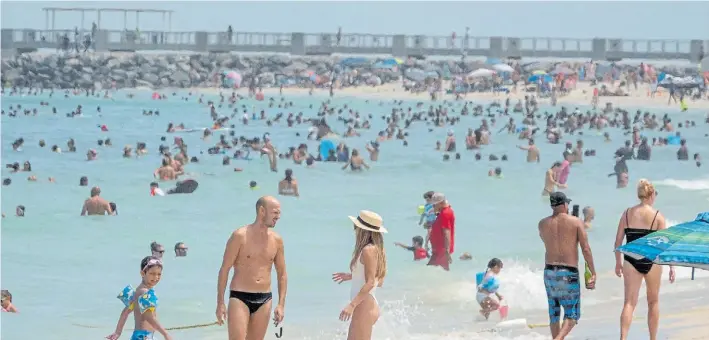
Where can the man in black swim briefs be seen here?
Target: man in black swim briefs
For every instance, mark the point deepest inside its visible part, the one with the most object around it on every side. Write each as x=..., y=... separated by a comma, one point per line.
x=253, y=250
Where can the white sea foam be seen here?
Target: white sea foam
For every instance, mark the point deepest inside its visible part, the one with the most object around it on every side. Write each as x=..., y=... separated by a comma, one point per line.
x=690, y=185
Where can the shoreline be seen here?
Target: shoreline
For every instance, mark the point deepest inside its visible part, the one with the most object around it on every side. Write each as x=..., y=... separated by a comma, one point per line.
x=578, y=97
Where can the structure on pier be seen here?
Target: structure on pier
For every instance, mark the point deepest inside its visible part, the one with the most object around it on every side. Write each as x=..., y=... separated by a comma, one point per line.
x=51, y=13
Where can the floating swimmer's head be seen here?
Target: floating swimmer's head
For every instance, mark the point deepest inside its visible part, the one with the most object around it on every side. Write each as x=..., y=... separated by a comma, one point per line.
x=180, y=249
x=157, y=250
x=253, y=185
x=466, y=257
x=588, y=213
x=151, y=271
x=6, y=298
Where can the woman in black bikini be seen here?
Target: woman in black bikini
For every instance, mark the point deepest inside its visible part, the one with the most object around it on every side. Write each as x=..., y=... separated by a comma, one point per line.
x=636, y=222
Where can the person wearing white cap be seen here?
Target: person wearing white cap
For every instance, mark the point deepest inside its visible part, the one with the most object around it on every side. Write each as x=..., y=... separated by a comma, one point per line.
x=367, y=270
x=442, y=235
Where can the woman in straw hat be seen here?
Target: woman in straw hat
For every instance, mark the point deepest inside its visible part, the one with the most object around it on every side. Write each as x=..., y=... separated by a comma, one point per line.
x=368, y=268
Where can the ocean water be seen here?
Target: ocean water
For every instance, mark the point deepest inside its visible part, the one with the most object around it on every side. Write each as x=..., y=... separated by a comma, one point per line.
x=66, y=270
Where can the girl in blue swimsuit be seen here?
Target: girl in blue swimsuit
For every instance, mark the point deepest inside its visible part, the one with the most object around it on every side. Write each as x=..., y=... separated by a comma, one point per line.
x=146, y=321
x=488, y=285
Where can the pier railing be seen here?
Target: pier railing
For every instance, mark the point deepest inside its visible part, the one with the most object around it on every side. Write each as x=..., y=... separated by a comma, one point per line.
x=362, y=44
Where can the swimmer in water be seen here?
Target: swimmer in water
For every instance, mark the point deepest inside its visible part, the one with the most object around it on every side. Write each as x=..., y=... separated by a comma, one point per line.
x=157, y=250
x=155, y=190
x=550, y=180
x=180, y=249
x=532, y=151
x=96, y=205
x=416, y=247
x=6, y=302
x=166, y=172
x=356, y=162
x=588, y=215
x=253, y=185
x=288, y=186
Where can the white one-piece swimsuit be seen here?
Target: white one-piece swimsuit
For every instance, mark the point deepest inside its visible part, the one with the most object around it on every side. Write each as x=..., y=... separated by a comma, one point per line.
x=358, y=281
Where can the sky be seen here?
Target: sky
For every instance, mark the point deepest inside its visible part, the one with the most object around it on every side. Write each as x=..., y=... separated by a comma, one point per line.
x=680, y=20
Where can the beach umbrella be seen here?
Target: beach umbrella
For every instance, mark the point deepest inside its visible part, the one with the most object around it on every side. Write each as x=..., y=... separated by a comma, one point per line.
x=685, y=244
x=232, y=79
x=503, y=68
x=232, y=74
x=535, y=78
x=539, y=72
x=392, y=61
x=415, y=74
x=481, y=73
x=355, y=62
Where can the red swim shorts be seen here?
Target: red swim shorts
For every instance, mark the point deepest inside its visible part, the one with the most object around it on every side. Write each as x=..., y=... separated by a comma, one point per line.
x=439, y=259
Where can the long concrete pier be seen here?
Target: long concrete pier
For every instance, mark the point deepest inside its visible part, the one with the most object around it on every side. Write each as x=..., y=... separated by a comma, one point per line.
x=399, y=45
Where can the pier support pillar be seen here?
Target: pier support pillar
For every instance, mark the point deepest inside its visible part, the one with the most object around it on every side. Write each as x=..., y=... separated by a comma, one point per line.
x=8, y=38
x=101, y=41
x=398, y=46
x=614, y=50
x=598, y=49
x=512, y=50
x=496, y=48
x=297, y=43
x=696, y=51
x=201, y=40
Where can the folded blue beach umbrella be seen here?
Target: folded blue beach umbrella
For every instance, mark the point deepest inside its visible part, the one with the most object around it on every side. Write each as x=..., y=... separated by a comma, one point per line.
x=685, y=244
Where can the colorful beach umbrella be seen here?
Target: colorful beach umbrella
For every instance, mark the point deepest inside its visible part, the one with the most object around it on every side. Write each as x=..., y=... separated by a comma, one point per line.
x=686, y=244
x=539, y=72
x=481, y=73
x=535, y=78
x=503, y=68
x=232, y=80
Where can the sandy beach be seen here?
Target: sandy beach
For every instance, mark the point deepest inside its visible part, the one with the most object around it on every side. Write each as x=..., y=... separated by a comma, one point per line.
x=581, y=96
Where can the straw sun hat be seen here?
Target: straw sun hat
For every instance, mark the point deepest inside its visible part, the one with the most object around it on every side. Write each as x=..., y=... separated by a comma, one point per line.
x=369, y=220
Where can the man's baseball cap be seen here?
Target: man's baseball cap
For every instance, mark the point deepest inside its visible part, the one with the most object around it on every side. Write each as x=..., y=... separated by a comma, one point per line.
x=558, y=198
x=437, y=198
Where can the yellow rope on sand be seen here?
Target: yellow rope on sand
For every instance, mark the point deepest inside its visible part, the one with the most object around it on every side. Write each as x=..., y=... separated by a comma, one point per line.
x=192, y=326
x=168, y=329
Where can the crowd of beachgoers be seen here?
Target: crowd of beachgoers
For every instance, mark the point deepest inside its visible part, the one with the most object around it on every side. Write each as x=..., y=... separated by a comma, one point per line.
x=516, y=112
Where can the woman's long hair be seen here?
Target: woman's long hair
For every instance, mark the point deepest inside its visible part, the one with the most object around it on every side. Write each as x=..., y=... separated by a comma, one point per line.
x=364, y=238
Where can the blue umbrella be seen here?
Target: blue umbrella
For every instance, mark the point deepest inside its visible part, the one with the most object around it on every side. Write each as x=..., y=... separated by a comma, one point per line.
x=493, y=61
x=353, y=62
x=545, y=78
x=686, y=244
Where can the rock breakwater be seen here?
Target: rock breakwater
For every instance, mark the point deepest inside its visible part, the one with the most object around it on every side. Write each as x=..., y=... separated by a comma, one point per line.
x=130, y=70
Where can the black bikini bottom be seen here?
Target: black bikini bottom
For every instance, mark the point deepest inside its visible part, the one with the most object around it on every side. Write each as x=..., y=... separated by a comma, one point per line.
x=253, y=301
x=642, y=266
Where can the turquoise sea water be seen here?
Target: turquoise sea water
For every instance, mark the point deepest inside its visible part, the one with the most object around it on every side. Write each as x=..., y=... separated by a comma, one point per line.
x=65, y=270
